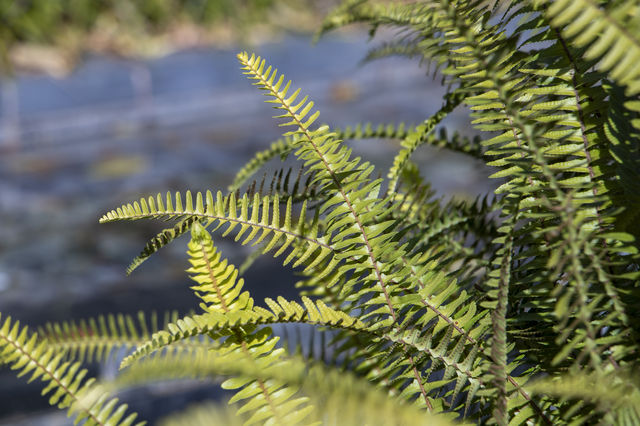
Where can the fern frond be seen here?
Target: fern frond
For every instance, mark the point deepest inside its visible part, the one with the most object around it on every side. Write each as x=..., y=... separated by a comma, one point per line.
x=330, y=160
x=163, y=238
x=99, y=339
x=340, y=397
x=217, y=324
x=65, y=381
x=352, y=211
x=500, y=279
x=260, y=216
x=609, y=32
x=419, y=136
x=285, y=146
x=282, y=187
x=617, y=398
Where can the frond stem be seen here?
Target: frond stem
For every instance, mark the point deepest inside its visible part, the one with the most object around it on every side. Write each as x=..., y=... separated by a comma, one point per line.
x=430, y=306
x=212, y=276
x=227, y=219
x=574, y=82
x=51, y=375
x=263, y=388
x=347, y=200
x=581, y=120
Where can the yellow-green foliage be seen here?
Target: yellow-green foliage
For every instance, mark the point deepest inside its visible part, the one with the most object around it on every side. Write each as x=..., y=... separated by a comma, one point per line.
x=436, y=312
x=141, y=27
x=65, y=383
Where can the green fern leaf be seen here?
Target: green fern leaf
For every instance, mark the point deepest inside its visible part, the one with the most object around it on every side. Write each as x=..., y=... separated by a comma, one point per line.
x=65, y=381
x=415, y=139
x=258, y=215
x=163, y=238
x=610, y=34
x=344, y=399
x=99, y=339
x=285, y=146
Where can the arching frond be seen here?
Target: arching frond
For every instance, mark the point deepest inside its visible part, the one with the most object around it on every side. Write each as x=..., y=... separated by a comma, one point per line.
x=163, y=238
x=608, y=30
x=99, y=339
x=349, y=211
x=285, y=146
x=616, y=396
x=65, y=381
x=260, y=216
x=419, y=136
x=340, y=397
x=217, y=324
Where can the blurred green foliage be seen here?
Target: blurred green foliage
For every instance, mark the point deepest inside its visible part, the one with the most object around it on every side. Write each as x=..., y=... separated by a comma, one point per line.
x=138, y=27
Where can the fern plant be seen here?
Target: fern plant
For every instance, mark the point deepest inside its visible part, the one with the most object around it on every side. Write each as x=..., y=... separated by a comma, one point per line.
x=518, y=308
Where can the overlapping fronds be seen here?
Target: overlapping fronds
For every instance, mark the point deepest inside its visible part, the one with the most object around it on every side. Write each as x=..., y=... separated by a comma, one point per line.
x=528, y=153
x=230, y=312
x=448, y=306
x=548, y=108
x=99, y=339
x=419, y=137
x=260, y=215
x=608, y=32
x=616, y=395
x=340, y=397
x=285, y=146
x=65, y=382
x=218, y=286
x=163, y=238
x=360, y=223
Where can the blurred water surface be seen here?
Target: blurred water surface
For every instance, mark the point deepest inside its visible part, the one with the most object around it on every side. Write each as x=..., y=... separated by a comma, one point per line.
x=115, y=130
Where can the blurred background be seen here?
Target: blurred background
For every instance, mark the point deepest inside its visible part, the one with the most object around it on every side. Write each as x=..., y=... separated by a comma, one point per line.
x=104, y=102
